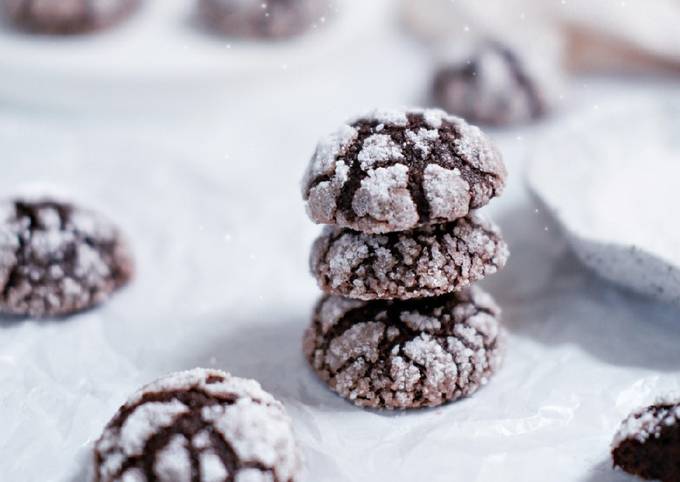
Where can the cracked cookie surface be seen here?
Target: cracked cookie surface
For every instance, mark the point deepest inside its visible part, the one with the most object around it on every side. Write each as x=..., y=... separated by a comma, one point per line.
x=422, y=262
x=258, y=19
x=648, y=442
x=397, y=170
x=67, y=16
x=56, y=258
x=198, y=426
x=405, y=354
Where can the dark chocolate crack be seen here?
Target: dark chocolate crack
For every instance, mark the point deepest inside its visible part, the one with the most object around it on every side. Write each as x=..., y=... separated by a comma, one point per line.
x=648, y=444
x=443, y=150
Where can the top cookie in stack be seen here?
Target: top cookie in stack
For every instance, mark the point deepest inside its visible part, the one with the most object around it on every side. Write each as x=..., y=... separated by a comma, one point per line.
x=400, y=188
x=398, y=170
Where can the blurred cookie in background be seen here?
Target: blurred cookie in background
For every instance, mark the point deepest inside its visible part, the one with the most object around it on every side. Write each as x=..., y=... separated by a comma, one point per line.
x=433, y=21
x=67, y=16
x=495, y=63
x=427, y=261
x=57, y=258
x=398, y=169
x=262, y=19
x=494, y=82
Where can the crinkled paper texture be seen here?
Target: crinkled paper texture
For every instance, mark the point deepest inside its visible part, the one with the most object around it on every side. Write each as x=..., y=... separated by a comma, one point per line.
x=211, y=206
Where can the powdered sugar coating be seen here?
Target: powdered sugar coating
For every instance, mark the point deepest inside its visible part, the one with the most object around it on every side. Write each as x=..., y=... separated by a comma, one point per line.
x=67, y=16
x=648, y=442
x=258, y=19
x=56, y=258
x=406, y=354
x=427, y=261
x=648, y=422
x=199, y=425
x=446, y=191
x=396, y=170
x=384, y=194
x=489, y=82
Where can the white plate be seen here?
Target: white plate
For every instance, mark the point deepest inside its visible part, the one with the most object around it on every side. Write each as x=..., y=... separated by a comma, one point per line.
x=163, y=54
x=611, y=177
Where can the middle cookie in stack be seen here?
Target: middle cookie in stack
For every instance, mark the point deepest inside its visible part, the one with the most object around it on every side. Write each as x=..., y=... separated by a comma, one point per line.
x=402, y=327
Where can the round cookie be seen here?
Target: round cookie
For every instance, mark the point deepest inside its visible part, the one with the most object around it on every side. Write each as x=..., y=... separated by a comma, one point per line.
x=405, y=354
x=56, y=258
x=199, y=425
x=648, y=442
x=67, y=16
x=427, y=261
x=396, y=170
x=258, y=19
x=492, y=83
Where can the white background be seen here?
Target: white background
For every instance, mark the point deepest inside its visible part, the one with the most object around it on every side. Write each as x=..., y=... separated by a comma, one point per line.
x=209, y=195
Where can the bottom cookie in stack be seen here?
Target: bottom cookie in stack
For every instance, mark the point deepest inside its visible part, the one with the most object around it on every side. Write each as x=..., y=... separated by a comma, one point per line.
x=402, y=354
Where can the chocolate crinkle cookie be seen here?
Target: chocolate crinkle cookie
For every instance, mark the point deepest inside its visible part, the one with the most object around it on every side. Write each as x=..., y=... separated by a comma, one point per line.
x=397, y=170
x=198, y=426
x=648, y=442
x=490, y=82
x=262, y=19
x=405, y=354
x=56, y=258
x=427, y=261
x=67, y=16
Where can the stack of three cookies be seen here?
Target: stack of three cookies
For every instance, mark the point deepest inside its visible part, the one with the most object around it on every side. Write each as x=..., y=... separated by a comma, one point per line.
x=401, y=325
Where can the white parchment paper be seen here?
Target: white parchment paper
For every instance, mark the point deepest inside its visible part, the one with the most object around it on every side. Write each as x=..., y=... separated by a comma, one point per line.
x=212, y=206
